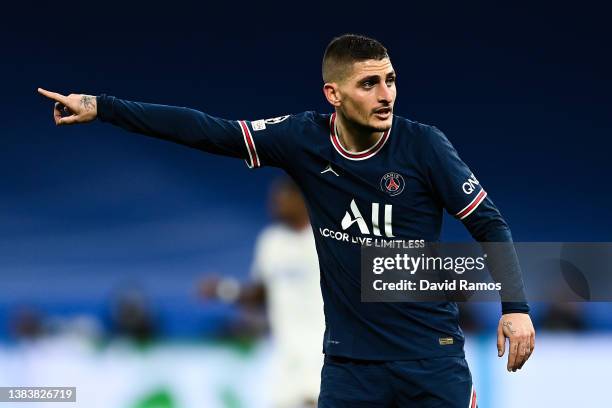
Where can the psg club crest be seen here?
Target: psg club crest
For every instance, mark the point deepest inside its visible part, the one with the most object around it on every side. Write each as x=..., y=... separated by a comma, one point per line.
x=392, y=183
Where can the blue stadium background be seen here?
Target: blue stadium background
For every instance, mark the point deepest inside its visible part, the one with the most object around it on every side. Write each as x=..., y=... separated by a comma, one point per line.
x=522, y=92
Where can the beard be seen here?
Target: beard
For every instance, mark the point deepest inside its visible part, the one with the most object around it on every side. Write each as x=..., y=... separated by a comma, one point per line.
x=366, y=122
x=383, y=127
x=373, y=125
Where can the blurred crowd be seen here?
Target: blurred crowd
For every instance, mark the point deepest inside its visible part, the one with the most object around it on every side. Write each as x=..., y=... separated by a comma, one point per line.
x=131, y=316
x=242, y=307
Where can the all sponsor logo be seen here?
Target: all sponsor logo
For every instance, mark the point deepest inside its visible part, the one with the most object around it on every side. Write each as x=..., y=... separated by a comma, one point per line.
x=353, y=216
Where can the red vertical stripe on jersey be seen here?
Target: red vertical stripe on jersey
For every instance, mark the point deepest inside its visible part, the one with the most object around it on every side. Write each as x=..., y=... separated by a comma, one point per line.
x=248, y=139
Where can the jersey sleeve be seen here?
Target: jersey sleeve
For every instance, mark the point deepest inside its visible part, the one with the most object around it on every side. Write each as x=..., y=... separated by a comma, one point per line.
x=463, y=196
x=261, y=142
x=452, y=181
x=268, y=141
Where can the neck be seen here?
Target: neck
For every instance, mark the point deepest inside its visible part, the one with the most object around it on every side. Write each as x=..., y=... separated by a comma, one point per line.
x=298, y=224
x=354, y=137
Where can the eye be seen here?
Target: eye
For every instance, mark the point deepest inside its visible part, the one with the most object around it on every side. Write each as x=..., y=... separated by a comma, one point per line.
x=367, y=84
x=390, y=81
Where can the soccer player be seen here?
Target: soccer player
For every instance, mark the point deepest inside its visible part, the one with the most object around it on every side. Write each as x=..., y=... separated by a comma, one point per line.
x=285, y=276
x=364, y=173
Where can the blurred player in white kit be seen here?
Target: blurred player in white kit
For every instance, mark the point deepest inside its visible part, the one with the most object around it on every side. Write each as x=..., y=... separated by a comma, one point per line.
x=285, y=276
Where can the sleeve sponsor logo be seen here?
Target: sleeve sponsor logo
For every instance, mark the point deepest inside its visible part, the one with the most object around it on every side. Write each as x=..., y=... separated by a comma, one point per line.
x=470, y=185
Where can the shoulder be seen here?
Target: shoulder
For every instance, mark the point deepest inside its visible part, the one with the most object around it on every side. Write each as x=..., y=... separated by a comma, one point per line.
x=421, y=137
x=271, y=234
x=419, y=132
x=297, y=118
x=311, y=119
x=294, y=122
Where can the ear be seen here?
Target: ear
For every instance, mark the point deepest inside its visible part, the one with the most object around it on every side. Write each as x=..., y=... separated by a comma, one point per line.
x=332, y=93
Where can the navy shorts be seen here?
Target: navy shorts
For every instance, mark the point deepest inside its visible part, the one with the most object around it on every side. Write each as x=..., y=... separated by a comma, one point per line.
x=436, y=382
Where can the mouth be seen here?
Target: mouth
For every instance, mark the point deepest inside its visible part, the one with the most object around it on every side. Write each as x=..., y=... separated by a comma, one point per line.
x=383, y=113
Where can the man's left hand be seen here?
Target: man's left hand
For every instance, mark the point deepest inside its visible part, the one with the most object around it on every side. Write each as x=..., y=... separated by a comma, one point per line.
x=517, y=327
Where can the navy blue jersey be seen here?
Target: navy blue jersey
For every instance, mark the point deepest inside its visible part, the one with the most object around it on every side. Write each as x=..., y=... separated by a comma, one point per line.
x=395, y=190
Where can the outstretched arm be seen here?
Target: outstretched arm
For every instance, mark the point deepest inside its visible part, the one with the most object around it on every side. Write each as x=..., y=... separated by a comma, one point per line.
x=181, y=125
x=189, y=127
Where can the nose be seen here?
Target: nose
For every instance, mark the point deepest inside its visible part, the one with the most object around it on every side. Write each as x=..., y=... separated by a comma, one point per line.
x=385, y=93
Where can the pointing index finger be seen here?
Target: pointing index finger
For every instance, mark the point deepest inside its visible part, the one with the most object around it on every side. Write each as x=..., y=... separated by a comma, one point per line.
x=53, y=95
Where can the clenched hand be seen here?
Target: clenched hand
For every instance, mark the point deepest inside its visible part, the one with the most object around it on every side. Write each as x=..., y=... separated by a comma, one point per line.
x=79, y=108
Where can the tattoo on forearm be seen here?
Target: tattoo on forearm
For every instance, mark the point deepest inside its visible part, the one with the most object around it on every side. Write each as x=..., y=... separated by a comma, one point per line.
x=87, y=102
x=509, y=326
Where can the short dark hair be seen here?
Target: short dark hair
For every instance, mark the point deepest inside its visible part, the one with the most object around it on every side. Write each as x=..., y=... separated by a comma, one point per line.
x=347, y=49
